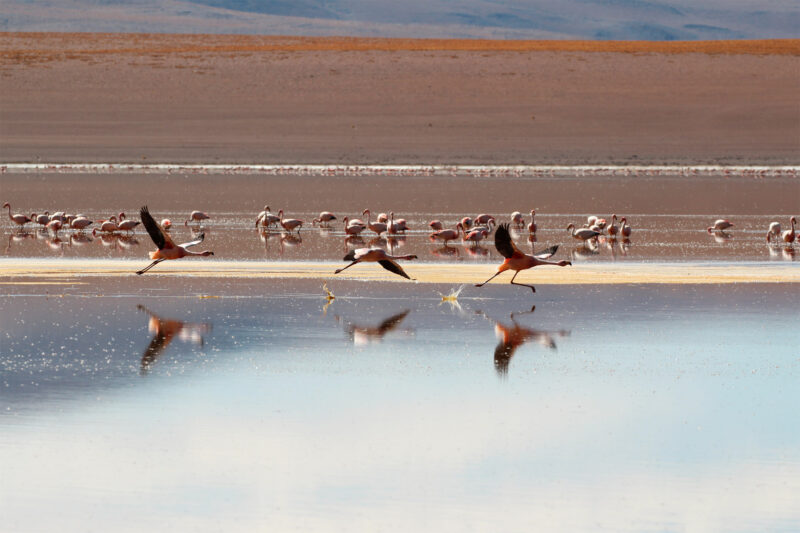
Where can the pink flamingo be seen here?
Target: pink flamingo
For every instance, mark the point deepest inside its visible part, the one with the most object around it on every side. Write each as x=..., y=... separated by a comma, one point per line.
x=583, y=234
x=436, y=225
x=196, y=216
x=517, y=220
x=42, y=219
x=289, y=223
x=377, y=227
x=167, y=249
x=126, y=225
x=625, y=230
x=484, y=219
x=353, y=227
x=720, y=225
x=789, y=234
x=80, y=223
x=19, y=220
x=383, y=217
x=377, y=255
x=476, y=235
x=106, y=226
x=324, y=218
x=54, y=226
x=466, y=223
x=774, y=231
x=447, y=235
x=517, y=260
x=612, y=229
x=532, y=225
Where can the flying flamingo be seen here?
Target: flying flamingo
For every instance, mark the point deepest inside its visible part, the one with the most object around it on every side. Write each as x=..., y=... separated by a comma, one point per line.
x=289, y=223
x=196, y=216
x=167, y=249
x=448, y=234
x=517, y=260
x=532, y=225
x=583, y=234
x=789, y=234
x=19, y=220
x=324, y=217
x=625, y=230
x=720, y=225
x=377, y=227
x=377, y=255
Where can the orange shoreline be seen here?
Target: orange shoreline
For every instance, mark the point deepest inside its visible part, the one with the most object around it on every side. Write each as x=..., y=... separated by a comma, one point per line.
x=52, y=43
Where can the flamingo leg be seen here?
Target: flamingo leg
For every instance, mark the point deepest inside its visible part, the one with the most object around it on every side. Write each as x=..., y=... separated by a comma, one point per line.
x=488, y=280
x=348, y=266
x=148, y=267
x=522, y=284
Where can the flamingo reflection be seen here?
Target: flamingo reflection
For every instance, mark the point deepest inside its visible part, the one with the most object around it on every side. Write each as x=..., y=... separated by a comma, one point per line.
x=164, y=330
x=514, y=335
x=363, y=335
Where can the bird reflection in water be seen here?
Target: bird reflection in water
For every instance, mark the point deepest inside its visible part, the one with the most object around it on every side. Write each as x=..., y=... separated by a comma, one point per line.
x=164, y=330
x=514, y=335
x=363, y=335
x=18, y=237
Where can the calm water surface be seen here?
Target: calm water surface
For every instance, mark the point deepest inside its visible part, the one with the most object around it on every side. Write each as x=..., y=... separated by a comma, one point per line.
x=642, y=408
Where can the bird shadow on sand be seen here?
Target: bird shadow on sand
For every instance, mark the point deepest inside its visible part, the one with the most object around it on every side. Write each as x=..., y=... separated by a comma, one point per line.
x=513, y=335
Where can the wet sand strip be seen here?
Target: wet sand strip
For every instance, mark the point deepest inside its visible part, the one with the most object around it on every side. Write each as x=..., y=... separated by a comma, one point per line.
x=24, y=271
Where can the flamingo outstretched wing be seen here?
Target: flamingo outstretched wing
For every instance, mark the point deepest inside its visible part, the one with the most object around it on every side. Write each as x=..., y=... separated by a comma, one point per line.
x=391, y=266
x=547, y=253
x=195, y=242
x=503, y=242
x=160, y=238
x=392, y=322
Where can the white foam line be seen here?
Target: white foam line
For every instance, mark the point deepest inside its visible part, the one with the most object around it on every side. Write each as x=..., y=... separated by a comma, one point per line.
x=406, y=170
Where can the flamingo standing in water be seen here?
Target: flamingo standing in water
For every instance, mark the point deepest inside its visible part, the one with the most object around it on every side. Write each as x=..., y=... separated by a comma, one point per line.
x=532, y=225
x=126, y=225
x=353, y=227
x=196, y=216
x=517, y=260
x=517, y=220
x=436, y=225
x=80, y=223
x=774, y=231
x=720, y=225
x=289, y=223
x=19, y=220
x=106, y=226
x=377, y=227
x=377, y=255
x=324, y=218
x=613, y=229
x=583, y=234
x=167, y=249
x=625, y=230
x=788, y=235
x=448, y=234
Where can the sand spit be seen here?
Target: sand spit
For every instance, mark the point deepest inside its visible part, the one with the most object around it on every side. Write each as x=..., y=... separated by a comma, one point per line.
x=405, y=170
x=13, y=271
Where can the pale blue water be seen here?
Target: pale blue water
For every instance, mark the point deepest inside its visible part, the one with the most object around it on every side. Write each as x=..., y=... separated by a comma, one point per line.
x=642, y=408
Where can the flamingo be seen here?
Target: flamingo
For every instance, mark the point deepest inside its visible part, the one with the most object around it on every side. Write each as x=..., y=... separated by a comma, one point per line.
x=19, y=220
x=106, y=226
x=266, y=218
x=127, y=225
x=166, y=224
x=377, y=255
x=289, y=223
x=475, y=236
x=54, y=226
x=774, y=231
x=196, y=216
x=400, y=224
x=167, y=249
x=324, y=217
x=517, y=260
x=466, y=223
x=517, y=220
x=383, y=217
x=377, y=227
x=789, y=234
x=720, y=225
x=353, y=227
x=625, y=230
x=436, y=225
x=613, y=229
x=583, y=234
x=484, y=219
x=80, y=223
x=532, y=225
x=448, y=234
x=42, y=219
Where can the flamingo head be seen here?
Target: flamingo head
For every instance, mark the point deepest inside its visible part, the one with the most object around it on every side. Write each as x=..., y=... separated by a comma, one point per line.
x=206, y=254
x=6, y=205
x=571, y=226
x=564, y=263
x=166, y=223
x=365, y=212
x=793, y=220
x=121, y=216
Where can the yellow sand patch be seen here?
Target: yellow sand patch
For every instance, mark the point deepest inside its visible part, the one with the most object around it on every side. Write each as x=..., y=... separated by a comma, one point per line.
x=14, y=271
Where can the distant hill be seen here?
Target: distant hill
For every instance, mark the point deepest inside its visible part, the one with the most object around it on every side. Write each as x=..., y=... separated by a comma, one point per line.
x=502, y=19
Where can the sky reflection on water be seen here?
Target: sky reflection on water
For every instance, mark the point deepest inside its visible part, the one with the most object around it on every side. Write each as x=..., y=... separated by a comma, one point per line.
x=628, y=408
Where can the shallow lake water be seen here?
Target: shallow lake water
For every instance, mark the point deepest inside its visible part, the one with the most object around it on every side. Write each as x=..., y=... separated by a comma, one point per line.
x=264, y=407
